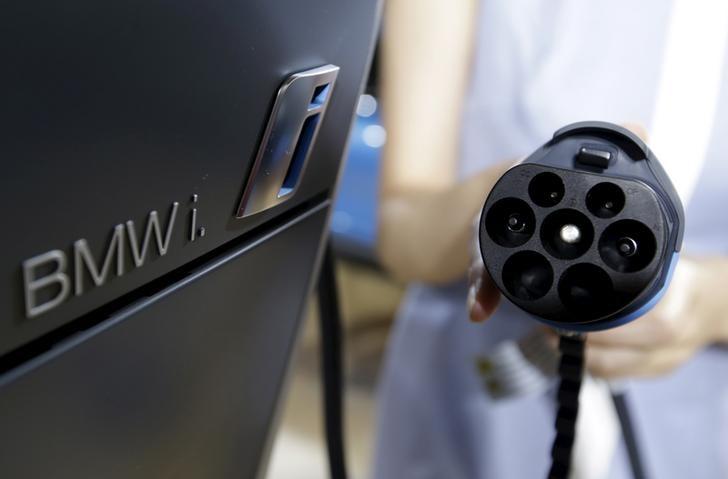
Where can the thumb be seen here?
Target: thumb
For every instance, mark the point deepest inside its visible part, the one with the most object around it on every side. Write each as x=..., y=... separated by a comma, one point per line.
x=483, y=298
x=637, y=129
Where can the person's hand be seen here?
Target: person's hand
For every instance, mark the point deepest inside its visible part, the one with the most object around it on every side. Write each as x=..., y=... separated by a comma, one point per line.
x=691, y=316
x=483, y=295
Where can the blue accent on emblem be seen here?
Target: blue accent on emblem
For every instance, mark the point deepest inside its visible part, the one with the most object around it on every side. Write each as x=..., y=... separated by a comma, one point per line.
x=300, y=153
x=600, y=326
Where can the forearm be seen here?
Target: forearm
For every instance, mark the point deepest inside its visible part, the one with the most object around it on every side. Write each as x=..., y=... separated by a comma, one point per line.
x=426, y=52
x=425, y=236
x=425, y=213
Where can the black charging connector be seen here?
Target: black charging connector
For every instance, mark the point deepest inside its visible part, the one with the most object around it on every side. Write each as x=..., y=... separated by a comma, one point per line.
x=583, y=235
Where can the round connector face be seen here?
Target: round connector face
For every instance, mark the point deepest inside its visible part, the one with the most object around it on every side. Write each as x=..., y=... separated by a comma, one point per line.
x=627, y=246
x=510, y=222
x=574, y=248
x=605, y=200
x=587, y=291
x=528, y=275
x=546, y=189
x=567, y=234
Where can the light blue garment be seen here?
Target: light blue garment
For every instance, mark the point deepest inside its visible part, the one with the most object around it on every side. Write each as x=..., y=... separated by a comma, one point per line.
x=540, y=65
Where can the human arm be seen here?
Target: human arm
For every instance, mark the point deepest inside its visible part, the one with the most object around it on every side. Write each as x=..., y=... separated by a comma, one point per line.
x=425, y=212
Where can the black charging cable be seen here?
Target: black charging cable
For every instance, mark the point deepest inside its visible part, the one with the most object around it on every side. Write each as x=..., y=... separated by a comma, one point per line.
x=332, y=365
x=571, y=372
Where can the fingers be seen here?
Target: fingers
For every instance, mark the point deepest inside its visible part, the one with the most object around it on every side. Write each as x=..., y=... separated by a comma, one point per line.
x=623, y=362
x=652, y=345
x=674, y=321
x=476, y=271
x=476, y=312
x=637, y=129
x=488, y=295
x=649, y=332
x=619, y=361
x=483, y=298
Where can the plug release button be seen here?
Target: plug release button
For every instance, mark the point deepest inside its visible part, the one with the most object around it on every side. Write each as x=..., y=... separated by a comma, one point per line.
x=593, y=156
